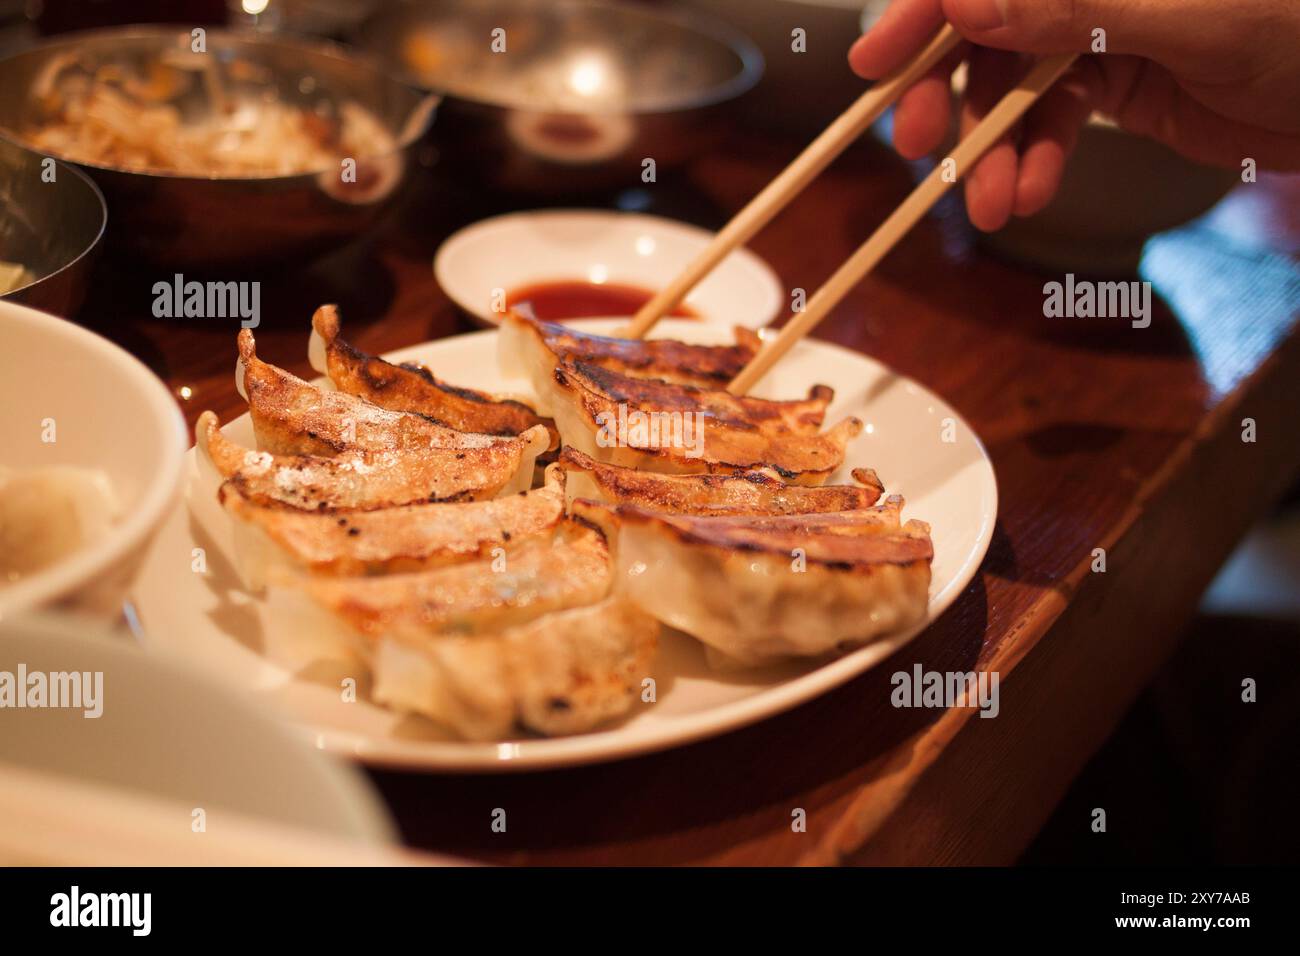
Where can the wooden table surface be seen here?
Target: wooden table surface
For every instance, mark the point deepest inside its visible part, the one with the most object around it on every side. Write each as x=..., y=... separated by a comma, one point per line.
x=1103, y=436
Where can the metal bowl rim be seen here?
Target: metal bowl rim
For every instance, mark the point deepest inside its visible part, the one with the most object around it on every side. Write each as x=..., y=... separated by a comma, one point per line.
x=99, y=233
x=752, y=63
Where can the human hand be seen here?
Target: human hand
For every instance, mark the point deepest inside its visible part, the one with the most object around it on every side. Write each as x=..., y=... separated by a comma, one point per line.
x=1217, y=82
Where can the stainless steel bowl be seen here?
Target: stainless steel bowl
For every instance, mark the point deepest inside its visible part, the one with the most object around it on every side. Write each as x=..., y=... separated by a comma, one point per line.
x=556, y=96
x=212, y=221
x=52, y=221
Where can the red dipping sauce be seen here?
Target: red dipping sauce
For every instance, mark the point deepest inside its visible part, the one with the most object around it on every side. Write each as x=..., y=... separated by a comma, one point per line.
x=578, y=299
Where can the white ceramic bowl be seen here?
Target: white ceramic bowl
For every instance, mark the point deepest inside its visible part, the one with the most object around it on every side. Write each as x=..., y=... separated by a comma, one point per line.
x=168, y=731
x=594, y=245
x=108, y=412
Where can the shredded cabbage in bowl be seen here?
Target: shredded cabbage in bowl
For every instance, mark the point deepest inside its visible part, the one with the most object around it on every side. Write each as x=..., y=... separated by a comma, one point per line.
x=128, y=119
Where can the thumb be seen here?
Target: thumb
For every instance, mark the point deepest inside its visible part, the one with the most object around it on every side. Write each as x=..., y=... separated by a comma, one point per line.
x=1169, y=31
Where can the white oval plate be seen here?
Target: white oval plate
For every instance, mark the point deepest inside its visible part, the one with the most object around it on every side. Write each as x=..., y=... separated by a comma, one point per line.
x=207, y=617
x=597, y=245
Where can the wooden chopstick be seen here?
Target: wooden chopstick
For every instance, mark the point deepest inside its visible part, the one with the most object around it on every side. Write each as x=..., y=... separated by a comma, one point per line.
x=999, y=120
x=846, y=128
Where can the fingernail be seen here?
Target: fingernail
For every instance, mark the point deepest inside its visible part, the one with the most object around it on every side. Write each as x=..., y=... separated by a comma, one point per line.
x=982, y=14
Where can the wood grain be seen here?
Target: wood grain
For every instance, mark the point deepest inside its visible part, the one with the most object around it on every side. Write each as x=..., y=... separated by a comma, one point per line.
x=1102, y=436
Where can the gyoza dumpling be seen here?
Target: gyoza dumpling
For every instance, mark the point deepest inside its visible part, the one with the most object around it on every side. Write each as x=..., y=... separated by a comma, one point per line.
x=755, y=492
x=530, y=635
x=408, y=389
x=405, y=538
x=676, y=429
x=363, y=480
x=530, y=349
x=562, y=673
x=292, y=417
x=756, y=589
x=796, y=417
x=551, y=573
x=50, y=512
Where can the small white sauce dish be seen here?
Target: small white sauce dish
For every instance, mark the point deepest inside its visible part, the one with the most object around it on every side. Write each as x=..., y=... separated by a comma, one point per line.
x=494, y=257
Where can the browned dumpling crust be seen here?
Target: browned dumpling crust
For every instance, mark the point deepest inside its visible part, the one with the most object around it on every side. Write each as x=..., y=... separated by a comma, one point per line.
x=364, y=480
x=755, y=492
x=404, y=538
x=798, y=417
x=565, y=672
x=587, y=415
x=293, y=417
x=761, y=588
x=405, y=388
x=710, y=366
x=568, y=569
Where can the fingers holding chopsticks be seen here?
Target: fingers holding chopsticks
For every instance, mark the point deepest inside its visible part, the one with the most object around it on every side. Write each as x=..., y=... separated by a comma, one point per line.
x=923, y=114
x=1021, y=172
x=1214, y=88
x=991, y=184
x=901, y=30
x=1049, y=133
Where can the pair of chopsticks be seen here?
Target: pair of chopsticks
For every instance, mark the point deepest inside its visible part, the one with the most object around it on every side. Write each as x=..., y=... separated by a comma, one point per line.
x=847, y=127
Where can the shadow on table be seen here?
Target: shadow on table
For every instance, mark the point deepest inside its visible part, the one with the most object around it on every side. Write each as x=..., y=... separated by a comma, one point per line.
x=1194, y=774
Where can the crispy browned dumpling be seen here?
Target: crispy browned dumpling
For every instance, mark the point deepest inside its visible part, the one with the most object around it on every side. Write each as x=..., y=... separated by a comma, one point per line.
x=569, y=569
x=761, y=588
x=529, y=637
x=530, y=347
x=362, y=480
x=655, y=435
x=565, y=672
x=745, y=493
x=799, y=417
x=562, y=673
x=406, y=388
x=411, y=537
x=292, y=417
